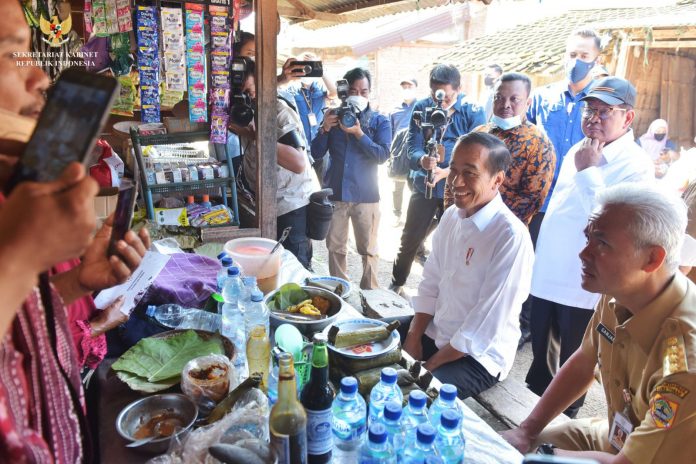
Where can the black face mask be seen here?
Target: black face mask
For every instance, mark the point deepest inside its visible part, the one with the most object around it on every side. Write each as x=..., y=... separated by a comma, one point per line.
x=659, y=137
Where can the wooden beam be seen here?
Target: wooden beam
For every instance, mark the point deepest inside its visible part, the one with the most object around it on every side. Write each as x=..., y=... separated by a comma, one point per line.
x=301, y=11
x=665, y=43
x=266, y=115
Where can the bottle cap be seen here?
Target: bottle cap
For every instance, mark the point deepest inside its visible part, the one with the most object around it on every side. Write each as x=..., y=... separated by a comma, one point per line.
x=349, y=385
x=448, y=392
x=221, y=255
x=217, y=297
x=151, y=310
x=449, y=419
x=189, y=200
x=378, y=433
x=226, y=261
x=388, y=375
x=256, y=296
x=206, y=198
x=425, y=433
x=320, y=337
x=233, y=271
x=417, y=399
x=392, y=410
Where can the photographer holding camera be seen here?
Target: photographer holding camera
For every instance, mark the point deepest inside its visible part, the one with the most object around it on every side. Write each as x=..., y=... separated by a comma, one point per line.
x=293, y=169
x=357, y=139
x=437, y=122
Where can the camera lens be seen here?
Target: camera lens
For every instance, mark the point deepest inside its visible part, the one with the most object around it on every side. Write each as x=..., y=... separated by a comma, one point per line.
x=307, y=69
x=348, y=119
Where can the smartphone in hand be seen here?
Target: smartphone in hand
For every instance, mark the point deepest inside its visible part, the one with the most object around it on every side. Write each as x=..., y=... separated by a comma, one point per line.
x=68, y=127
x=125, y=205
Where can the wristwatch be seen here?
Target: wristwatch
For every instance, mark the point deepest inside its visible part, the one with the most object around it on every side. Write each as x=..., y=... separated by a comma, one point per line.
x=546, y=448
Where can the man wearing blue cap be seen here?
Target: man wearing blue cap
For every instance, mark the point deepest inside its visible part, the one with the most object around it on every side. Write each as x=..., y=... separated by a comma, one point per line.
x=608, y=155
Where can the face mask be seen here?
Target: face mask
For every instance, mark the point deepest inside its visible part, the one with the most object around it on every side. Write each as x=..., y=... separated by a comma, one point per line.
x=579, y=70
x=659, y=137
x=506, y=123
x=489, y=81
x=408, y=94
x=358, y=102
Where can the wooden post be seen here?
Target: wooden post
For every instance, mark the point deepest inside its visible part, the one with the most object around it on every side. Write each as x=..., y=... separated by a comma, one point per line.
x=622, y=61
x=266, y=83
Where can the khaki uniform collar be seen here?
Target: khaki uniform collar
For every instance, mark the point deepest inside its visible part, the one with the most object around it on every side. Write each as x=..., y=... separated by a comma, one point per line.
x=646, y=325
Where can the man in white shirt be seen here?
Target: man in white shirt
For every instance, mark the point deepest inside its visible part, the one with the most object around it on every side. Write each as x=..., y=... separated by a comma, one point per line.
x=478, y=274
x=606, y=156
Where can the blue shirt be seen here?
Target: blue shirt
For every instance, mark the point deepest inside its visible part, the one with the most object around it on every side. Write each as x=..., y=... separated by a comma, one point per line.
x=560, y=114
x=401, y=117
x=352, y=172
x=309, y=100
x=466, y=116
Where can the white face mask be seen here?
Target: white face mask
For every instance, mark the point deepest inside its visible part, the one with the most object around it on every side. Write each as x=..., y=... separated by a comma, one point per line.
x=408, y=94
x=357, y=101
x=506, y=123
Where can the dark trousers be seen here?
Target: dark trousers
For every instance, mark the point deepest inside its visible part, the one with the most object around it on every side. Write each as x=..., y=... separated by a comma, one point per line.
x=297, y=242
x=557, y=332
x=419, y=218
x=526, y=313
x=467, y=374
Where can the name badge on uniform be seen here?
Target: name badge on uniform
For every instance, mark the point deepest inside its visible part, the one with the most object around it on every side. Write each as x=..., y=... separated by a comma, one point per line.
x=606, y=333
x=312, y=119
x=621, y=428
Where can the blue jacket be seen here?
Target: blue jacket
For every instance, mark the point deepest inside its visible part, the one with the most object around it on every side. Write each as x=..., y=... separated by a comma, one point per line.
x=352, y=172
x=311, y=100
x=466, y=116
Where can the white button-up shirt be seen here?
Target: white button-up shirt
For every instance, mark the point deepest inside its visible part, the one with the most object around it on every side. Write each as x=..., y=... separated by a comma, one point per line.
x=557, y=268
x=474, y=283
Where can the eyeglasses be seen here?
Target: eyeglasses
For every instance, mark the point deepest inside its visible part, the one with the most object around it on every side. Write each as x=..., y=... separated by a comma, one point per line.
x=602, y=113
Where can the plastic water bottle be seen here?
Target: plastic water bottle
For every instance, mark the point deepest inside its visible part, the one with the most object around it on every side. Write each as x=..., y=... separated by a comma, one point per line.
x=447, y=399
x=226, y=262
x=424, y=446
x=248, y=285
x=348, y=423
x=232, y=317
x=177, y=317
x=415, y=413
x=392, y=421
x=377, y=449
x=450, y=441
x=255, y=312
x=386, y=390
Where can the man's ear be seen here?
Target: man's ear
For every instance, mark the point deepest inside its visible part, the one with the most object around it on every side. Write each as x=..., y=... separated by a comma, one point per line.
x=499, y=179
x=655, y=258
x=630, y=116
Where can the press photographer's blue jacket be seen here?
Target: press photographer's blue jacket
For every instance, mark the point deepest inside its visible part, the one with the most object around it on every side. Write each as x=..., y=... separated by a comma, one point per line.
x=352, y=172
x=466, y=116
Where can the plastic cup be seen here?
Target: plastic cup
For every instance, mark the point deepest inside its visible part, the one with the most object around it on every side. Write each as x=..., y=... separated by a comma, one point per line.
x=253, y=255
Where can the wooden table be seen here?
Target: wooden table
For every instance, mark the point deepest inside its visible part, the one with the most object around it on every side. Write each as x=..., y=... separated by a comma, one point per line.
x=483, y=444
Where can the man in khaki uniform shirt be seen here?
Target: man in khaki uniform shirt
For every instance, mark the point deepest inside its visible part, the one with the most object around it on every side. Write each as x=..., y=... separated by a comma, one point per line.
x=642, y=337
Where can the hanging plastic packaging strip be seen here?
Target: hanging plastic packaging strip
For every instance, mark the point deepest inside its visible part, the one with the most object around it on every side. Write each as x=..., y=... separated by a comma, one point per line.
x=148, y=63
x=196, y=64
x=220, y=64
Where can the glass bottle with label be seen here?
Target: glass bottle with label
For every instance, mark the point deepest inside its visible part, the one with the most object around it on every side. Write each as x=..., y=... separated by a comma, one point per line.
x=288, y=421
x=317, y=397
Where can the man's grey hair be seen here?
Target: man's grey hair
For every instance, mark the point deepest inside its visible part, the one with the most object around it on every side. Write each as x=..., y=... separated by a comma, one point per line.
x=659, y=217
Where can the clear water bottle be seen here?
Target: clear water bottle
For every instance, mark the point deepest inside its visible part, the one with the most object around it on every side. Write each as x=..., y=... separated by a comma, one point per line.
x=348, y=423
x=450, y=440
x=177, y=317
x=386, y=390
x=424, y=446
x=415, y=413
x=392, y=421
x=256, y=312
x=248, y=285
x=377, y=449
x=233, y=319
x=226, y=262
x=447, y=399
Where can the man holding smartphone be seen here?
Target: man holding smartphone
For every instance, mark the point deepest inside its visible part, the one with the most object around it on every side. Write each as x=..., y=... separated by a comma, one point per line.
x=42, y=224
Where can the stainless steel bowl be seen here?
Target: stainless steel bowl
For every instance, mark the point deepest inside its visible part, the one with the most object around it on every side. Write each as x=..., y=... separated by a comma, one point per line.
x=308, y=328
x=141, y=411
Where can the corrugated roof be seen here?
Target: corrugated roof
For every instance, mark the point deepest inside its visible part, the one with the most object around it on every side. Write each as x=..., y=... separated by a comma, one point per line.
x=539, y=47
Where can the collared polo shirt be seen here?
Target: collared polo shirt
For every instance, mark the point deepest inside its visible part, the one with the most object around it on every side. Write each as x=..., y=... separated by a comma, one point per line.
x=557, y=268
x=633, y=354
x=559, y=112
x=474, y=283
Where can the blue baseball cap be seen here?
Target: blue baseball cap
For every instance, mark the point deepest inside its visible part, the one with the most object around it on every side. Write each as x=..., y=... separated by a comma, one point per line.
x=613, y=91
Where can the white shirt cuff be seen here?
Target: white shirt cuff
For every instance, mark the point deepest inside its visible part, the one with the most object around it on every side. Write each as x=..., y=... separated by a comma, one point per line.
x=423, y=304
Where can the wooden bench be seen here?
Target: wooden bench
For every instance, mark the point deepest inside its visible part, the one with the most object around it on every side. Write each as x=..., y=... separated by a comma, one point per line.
x=510, y=401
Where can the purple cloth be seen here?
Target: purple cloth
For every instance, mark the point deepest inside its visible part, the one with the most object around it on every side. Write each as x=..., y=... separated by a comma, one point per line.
x=187, y=279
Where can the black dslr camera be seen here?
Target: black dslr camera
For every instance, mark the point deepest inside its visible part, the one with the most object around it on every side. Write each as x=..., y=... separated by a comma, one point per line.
x=347, y=114
x=430, y=119
x=241, y=106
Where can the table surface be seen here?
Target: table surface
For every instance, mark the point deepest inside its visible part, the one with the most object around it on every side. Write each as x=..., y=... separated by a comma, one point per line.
x=483, y=444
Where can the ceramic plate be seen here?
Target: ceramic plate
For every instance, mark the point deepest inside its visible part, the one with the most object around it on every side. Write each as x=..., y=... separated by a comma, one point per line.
x=333, y=282
x=370, y=350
